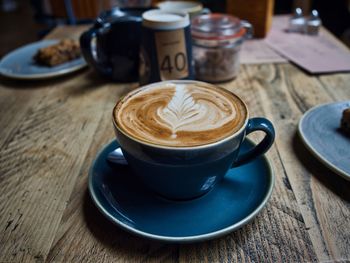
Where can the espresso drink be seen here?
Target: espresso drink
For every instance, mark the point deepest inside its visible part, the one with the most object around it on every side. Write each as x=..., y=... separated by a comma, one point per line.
x=180, y=114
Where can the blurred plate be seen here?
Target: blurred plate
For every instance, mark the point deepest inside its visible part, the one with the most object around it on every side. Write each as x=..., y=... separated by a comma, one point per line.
x=19, y=64
x=319, y=130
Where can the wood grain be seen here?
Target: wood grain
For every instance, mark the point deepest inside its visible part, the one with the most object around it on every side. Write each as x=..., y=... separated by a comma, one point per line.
x=39, y=164
x=64, y=31
x=52, y=130
x=252, y=242
x=293, y=92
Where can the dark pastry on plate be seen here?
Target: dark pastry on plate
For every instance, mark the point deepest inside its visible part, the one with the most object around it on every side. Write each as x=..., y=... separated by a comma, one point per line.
x=345, y=121
x=64, y=51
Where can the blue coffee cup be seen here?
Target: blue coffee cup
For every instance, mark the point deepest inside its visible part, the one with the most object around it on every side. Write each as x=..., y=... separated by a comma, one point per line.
x=183, y=173
x=112, y=45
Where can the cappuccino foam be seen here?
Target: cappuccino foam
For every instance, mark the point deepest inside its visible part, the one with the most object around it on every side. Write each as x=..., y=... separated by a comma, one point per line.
x=180, y=114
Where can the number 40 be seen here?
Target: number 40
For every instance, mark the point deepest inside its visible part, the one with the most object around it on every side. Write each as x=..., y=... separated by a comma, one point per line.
x=179, y=62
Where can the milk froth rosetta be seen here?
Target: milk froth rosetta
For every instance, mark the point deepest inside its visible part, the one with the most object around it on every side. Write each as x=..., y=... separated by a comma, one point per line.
x=180, y=114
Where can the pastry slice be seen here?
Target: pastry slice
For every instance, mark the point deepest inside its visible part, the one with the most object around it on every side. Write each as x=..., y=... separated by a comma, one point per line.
x=65, y=50
x=345, y=121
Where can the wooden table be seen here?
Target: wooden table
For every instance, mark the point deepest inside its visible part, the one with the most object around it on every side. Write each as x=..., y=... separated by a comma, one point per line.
x=51, y=131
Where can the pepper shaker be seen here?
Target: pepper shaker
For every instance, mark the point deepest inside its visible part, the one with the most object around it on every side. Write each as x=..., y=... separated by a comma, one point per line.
x=313, y=24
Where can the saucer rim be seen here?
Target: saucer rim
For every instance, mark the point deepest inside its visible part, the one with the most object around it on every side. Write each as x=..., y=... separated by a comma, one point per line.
x=181, y=239
x=311, y=148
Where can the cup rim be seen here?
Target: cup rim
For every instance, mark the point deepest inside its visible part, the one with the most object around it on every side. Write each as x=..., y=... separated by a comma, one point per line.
x=149, y=21
x=124, y=12
x=195, y=147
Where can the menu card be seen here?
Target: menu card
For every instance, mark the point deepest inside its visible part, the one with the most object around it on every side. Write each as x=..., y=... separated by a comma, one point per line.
x=256, y=51
x=316, y=54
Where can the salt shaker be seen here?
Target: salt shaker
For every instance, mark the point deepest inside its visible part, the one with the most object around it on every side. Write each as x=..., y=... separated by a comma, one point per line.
x=297, y=21
x=217, y=40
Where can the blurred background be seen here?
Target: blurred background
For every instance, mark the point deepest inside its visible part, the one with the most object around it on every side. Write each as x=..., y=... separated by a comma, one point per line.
x=25, y=21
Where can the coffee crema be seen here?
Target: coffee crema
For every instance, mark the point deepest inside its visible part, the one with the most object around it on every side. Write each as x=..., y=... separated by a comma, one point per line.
x=180, y=114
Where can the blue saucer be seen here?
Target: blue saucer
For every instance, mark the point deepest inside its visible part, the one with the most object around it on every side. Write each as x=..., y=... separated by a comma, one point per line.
x=319, y=130
x=230, y=205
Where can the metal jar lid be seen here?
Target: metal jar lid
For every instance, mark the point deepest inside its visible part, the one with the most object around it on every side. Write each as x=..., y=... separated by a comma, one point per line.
x=218, y=26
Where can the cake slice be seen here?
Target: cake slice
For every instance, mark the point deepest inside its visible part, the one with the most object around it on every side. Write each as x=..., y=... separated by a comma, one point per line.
x=345, y=121
x=65, y=50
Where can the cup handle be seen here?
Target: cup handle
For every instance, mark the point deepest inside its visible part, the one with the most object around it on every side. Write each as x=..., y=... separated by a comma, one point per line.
x=88, y=50
x=205, y=11
x=257, y=124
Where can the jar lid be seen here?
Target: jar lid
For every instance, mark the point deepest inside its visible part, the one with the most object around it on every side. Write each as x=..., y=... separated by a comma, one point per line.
x=217, y=26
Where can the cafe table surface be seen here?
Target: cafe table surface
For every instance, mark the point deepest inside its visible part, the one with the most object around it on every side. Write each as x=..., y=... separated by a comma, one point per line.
x=51, y=131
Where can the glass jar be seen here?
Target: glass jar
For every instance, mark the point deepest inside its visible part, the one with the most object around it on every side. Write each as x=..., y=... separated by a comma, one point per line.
x=217, y=40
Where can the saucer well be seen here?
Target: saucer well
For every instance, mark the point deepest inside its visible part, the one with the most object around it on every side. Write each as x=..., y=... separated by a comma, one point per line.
x=235, y=201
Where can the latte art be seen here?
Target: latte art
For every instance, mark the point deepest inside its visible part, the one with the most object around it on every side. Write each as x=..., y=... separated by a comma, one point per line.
x=184, y=114
x=178, y=114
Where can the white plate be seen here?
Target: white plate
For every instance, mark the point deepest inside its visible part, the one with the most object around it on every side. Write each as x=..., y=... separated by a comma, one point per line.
x=19, y=64
x=319, y=130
